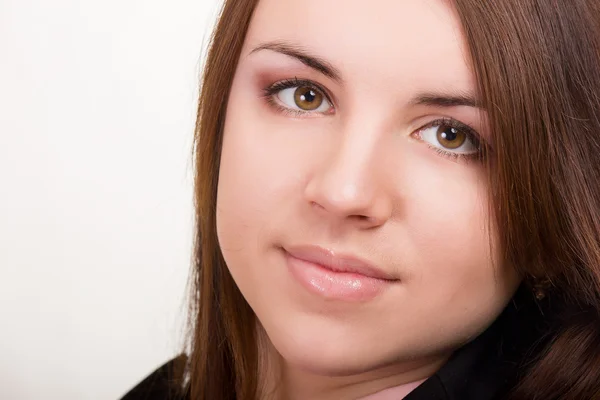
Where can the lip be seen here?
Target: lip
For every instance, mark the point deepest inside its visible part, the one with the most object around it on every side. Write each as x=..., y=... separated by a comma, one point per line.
x=337, y=262
x=335, y=275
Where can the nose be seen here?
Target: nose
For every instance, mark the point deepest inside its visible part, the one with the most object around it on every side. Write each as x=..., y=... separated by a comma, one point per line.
x=349, y=186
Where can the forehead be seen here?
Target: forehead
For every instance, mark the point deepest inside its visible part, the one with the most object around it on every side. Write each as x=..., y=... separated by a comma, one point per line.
x=404, y=42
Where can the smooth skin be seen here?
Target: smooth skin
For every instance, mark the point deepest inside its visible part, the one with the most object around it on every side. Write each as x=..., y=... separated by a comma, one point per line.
x=353, y=164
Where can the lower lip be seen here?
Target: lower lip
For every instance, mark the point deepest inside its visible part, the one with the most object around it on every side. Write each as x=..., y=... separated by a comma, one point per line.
x=346, y=286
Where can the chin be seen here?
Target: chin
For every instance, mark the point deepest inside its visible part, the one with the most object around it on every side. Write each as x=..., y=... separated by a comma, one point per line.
x=318, y=352
x=315, y=362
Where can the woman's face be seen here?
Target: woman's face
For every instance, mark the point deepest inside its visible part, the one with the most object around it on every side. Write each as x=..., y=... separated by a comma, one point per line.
x=352, y=208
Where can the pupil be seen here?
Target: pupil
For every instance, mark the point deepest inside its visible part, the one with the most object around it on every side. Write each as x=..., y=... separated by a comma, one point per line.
x=308, y=96
x=449, y=134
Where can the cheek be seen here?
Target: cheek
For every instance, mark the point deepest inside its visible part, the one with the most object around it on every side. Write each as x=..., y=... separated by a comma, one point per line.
x=264, y=166
x=255, y=177
x=450, y=226
x=454, y=246
x=245, y=189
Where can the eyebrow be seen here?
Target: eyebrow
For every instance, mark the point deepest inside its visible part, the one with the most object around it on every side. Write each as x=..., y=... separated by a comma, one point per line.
x=303, y=56
x=327, y=69
x=446, y=101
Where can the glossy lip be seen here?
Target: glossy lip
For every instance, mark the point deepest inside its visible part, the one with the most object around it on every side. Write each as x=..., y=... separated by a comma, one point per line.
x=338, y=262
x=335, y=276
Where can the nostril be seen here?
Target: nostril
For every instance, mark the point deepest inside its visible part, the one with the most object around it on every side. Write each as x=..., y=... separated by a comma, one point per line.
x=316, y=205
x=362, y=218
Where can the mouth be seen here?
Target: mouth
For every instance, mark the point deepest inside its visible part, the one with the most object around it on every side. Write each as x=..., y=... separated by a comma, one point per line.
x=335, y=275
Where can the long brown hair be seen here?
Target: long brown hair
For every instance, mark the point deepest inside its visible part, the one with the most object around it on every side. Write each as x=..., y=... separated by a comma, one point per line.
x=537, y=64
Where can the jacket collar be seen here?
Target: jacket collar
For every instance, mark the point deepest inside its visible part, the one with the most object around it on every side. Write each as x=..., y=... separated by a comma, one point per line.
x=488, y=367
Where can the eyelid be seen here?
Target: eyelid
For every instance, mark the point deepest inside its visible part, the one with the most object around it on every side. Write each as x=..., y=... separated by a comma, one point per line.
x=453, y=123
x=472, y=135
x=293, y=82
x=274, y=88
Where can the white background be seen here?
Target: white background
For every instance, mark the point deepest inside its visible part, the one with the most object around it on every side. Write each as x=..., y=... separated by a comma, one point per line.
x=97, y=107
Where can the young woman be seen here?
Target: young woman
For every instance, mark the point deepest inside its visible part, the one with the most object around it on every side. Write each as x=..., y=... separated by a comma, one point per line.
x=396, y=199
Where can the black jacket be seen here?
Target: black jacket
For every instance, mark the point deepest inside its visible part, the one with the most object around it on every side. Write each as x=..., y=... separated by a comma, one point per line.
x=484, y=369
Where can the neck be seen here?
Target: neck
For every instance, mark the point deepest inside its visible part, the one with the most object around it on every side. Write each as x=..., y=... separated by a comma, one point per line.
x=394, y=393
x=284, y=381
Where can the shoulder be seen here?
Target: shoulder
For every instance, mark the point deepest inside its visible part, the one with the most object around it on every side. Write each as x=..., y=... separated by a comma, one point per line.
x=162, y=384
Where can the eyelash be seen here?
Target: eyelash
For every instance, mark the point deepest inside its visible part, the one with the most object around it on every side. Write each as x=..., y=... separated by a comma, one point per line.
x=471, y=134
x=269, y=93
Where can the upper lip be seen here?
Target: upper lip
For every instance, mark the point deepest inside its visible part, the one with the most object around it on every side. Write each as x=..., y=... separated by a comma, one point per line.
x=338, y=262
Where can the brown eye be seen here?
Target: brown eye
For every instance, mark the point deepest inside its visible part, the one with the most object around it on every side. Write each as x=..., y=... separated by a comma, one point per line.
x=300, y=98
x=307, y=98
x=450, y=137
